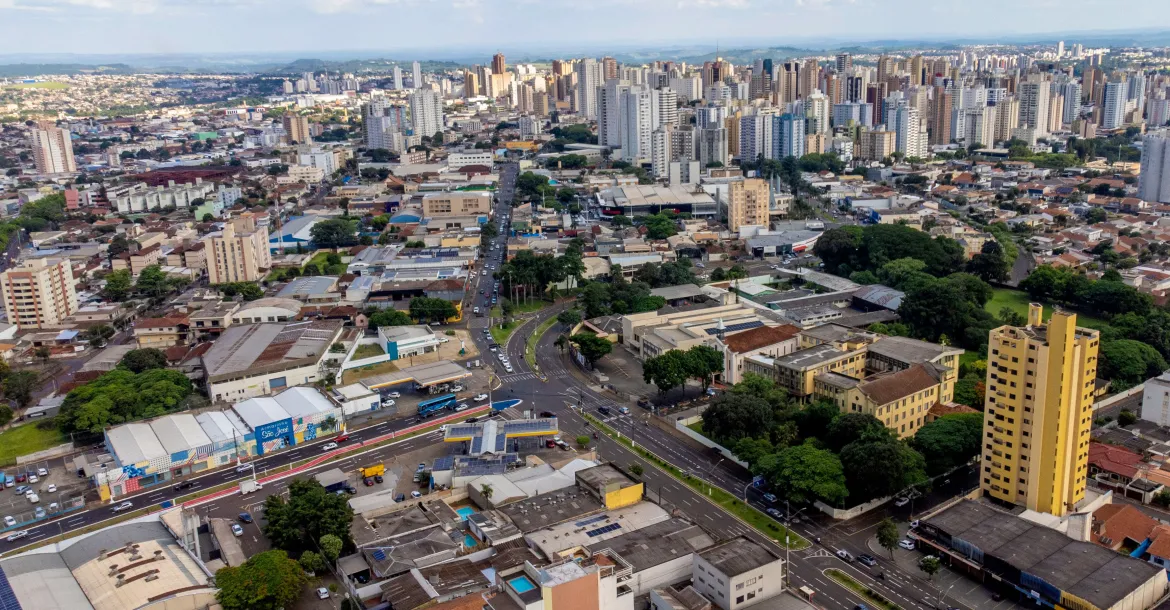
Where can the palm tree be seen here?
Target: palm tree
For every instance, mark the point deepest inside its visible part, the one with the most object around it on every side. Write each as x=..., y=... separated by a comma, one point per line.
x=486, y=490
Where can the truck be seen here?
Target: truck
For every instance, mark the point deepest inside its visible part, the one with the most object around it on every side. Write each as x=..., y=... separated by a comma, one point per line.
x=373, y=471
x=248, y=486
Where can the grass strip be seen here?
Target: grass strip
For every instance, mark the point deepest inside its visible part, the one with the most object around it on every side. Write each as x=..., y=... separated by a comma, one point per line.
x=533, y=339
x=748, y=513
x=869, y=594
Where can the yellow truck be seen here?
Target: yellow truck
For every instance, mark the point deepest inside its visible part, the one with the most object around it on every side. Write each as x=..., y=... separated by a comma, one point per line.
x=371, y=471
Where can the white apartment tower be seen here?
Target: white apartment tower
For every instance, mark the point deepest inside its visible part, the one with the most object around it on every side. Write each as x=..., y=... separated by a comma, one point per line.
x=426, y=112
x=52, y=150
x=1034, y=106
x=417, y=75
x=38, y=293
x=1113, y=107
x=588, y=80
x=1154, y=181
x=609, y=112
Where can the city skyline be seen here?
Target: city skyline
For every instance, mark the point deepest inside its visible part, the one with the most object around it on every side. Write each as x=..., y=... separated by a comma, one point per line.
x=250, y=26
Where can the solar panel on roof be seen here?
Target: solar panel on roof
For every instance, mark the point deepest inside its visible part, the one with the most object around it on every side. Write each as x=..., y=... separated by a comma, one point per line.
x=590, y=521
x=379, y=554
x=604, y=529
x=8, y=599
x=735, y=327
x=477, y=444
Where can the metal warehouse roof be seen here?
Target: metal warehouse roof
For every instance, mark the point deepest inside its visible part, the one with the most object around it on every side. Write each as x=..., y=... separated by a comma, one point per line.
x=219, y=426
x=293, y=403
x=179, y=432
x=134, y=443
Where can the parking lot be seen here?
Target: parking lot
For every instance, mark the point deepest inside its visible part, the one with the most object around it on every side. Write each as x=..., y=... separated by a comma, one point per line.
x=55, y=492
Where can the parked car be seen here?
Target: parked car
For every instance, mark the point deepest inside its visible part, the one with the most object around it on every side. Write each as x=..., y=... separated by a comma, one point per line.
x=245, y=517
x=388, y=403
x=322, y=593
x=395, y=395
x=907, y=544
x=561, y=443
x=51, y=488
x=39, y=513
x=400, y=498
x=508, y=368
x=479, y=397
x=44, y=472
x=32, y=478
x=415, y=494
x=20, y=490
x=903, y=501
x=123, y=506
x=867, y=560
x=237, y=530
x=368, y=481
x=14, y=536
x=9, y=522
x=378, y=479
x=328, y=446
x=22, y=477
x=550, y=444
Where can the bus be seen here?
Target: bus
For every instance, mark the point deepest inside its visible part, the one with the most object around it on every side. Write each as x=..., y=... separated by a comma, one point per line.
x=432, y=406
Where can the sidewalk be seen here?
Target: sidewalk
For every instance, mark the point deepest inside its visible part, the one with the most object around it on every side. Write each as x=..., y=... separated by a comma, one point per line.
x=953, y=588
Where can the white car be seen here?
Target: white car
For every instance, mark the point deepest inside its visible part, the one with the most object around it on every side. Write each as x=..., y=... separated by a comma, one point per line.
x=508, y=367
x=329, y=447
x=479, y=397
x=237, y=530
x=395, y=395
x=475, y=310
x=462, y=407
x=123, y=506
x=44, y=472
x=388, y=403
x=907, y=544
x=415, y=494
x=322, y=593
x=9, y=522
x=501, y=357
x=32, y=478
x=51, y=488
x=244, y=468
x=903, y=501
x=14, y=536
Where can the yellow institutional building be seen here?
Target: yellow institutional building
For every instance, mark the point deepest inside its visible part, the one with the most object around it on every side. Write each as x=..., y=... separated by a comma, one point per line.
x=1038, y=412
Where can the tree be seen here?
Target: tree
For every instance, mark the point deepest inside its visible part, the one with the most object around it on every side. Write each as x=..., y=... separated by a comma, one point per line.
x=1126, y=418
x=666, y=371
x=569, y=318
x=752, y=450
x=309, y=513
x=331, y=547
x=733, y=416
x=949, y=441
x=582, y=441
x=19, y=386
x=312, y=562
x=118, y=285
x=6, y=415
x=636, y=469
x=991, y=264
x=267, y=581
x=145, y=359
x=804, y=473
x=432, y=309
x=486, y=490
x=592, y=347
x=875, y=468
x=931, y=565
x=660, y=226
x=562, y=342
x=43, y=353
x=121, y=396
x=703, y=362
x=118, y=245
x=389, y=317
x=1129, y=362
x=1096, y=215
x=98, y=335
x=334, y=233
x=207, y=217
x=153, y=282
x=508, y=308
x=815, y=419
x=887, y=535
x=850, y=427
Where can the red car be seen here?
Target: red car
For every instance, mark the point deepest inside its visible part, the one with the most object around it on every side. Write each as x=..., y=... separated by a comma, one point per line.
x=20, y=478
x=341, y=438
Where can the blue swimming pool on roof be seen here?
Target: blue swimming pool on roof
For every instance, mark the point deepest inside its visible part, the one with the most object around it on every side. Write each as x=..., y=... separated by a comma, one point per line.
x=465, y=512
x=522, y=584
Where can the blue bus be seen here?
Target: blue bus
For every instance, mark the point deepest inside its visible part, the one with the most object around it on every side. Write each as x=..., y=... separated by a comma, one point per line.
x=432, y=406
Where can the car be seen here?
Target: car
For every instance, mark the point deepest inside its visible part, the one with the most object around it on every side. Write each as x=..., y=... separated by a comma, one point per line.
x=183, y=485
x=20, y=490
x=471, y=420
x=866, y=560
x=914, y=524
x=9, y=522
x=550, y=444
x=843, y=554
x=547, y=414
x=462, y=407
x=770, y=497
x=349, y=489
x=237, y=530
x=775, y=514
x=861, y=607
x=53, y=507
x=907, y=544
x=368, y=481
x=245, y=517
x=492, y=348
x=322, y=593
x=415, y=494
x=561, y=443
x=394, y=395
x=475, y=310
x=711, y=391
x=14, y=536
x=123, y=506
x=400, y=498
x=378, y=479
x=479, y=397
x=32, y=478
x=44, y=472
x=388, y=403
x=22, y=477
x=508, y=368
x=903, y=501
x=51, y=488
x=39, y=513
x=603, y=410
x=700, y=265
x=457, y=388
x=244, y=468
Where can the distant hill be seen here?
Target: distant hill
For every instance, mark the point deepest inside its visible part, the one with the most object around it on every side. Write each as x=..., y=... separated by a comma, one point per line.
x=30, y=70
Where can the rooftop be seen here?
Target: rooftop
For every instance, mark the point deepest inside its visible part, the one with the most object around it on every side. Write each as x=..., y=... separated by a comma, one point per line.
x=657, y=543
x=309, y=287
x=759, y=337
x=738, y=555
x=259, y=348
x=551, y=508
x=812, y=357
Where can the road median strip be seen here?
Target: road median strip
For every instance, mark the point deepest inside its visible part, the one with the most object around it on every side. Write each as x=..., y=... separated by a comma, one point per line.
x=533, y=339
x=746, y=513
x=865, y=592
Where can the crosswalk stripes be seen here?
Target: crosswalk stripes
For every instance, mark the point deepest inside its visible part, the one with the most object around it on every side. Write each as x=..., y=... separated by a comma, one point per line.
x=518, y=377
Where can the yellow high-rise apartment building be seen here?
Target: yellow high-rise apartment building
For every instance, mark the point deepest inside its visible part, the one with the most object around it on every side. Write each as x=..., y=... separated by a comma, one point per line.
x=747, y=203
x=1038, y=412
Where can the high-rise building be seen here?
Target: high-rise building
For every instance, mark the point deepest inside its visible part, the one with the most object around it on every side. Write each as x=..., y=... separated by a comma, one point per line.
x=470, y=84
x=416, y=70
x=788, y=82
x=297, y=128
x=588, y=80
x=1007, y=118
x=499, y=66
x=1154, y=180
x=940, y=124
x=426, y=112
x=844, y=63
x=810, y=78
x=1072, y=101
x=39, y=294
x=1038, y=412
x=979, y=126
x=816, y=110
x=1034, y=106
x=906, y=124
x=917, y=70
x=1055, y=112
x=239, y=253
x=52, y=150
x=609, y=112
x=858, y=113
x=1113, y=107
x=788, y=131
x=530, y=126
x=747, y=203
x=876, y=145
x=1158, y=111
x=638, y=120
x=609, y=68
x=666, y=102
x=712, y=146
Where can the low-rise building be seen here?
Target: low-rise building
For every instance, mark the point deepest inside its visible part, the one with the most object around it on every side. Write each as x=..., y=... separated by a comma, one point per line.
x=738, y=573
x=38, y=293
x=252, y=360
x=162, y=332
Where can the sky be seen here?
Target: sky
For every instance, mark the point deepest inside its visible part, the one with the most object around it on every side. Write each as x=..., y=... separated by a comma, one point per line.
x=416, y=26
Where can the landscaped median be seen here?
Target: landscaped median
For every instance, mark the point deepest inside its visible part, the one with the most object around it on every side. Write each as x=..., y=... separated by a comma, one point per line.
x=533, y=339
x=745, y=512
x=869, y=594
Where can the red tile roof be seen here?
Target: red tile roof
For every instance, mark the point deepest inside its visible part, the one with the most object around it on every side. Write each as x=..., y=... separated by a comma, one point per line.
x=1116, y=460
x=759, y=337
